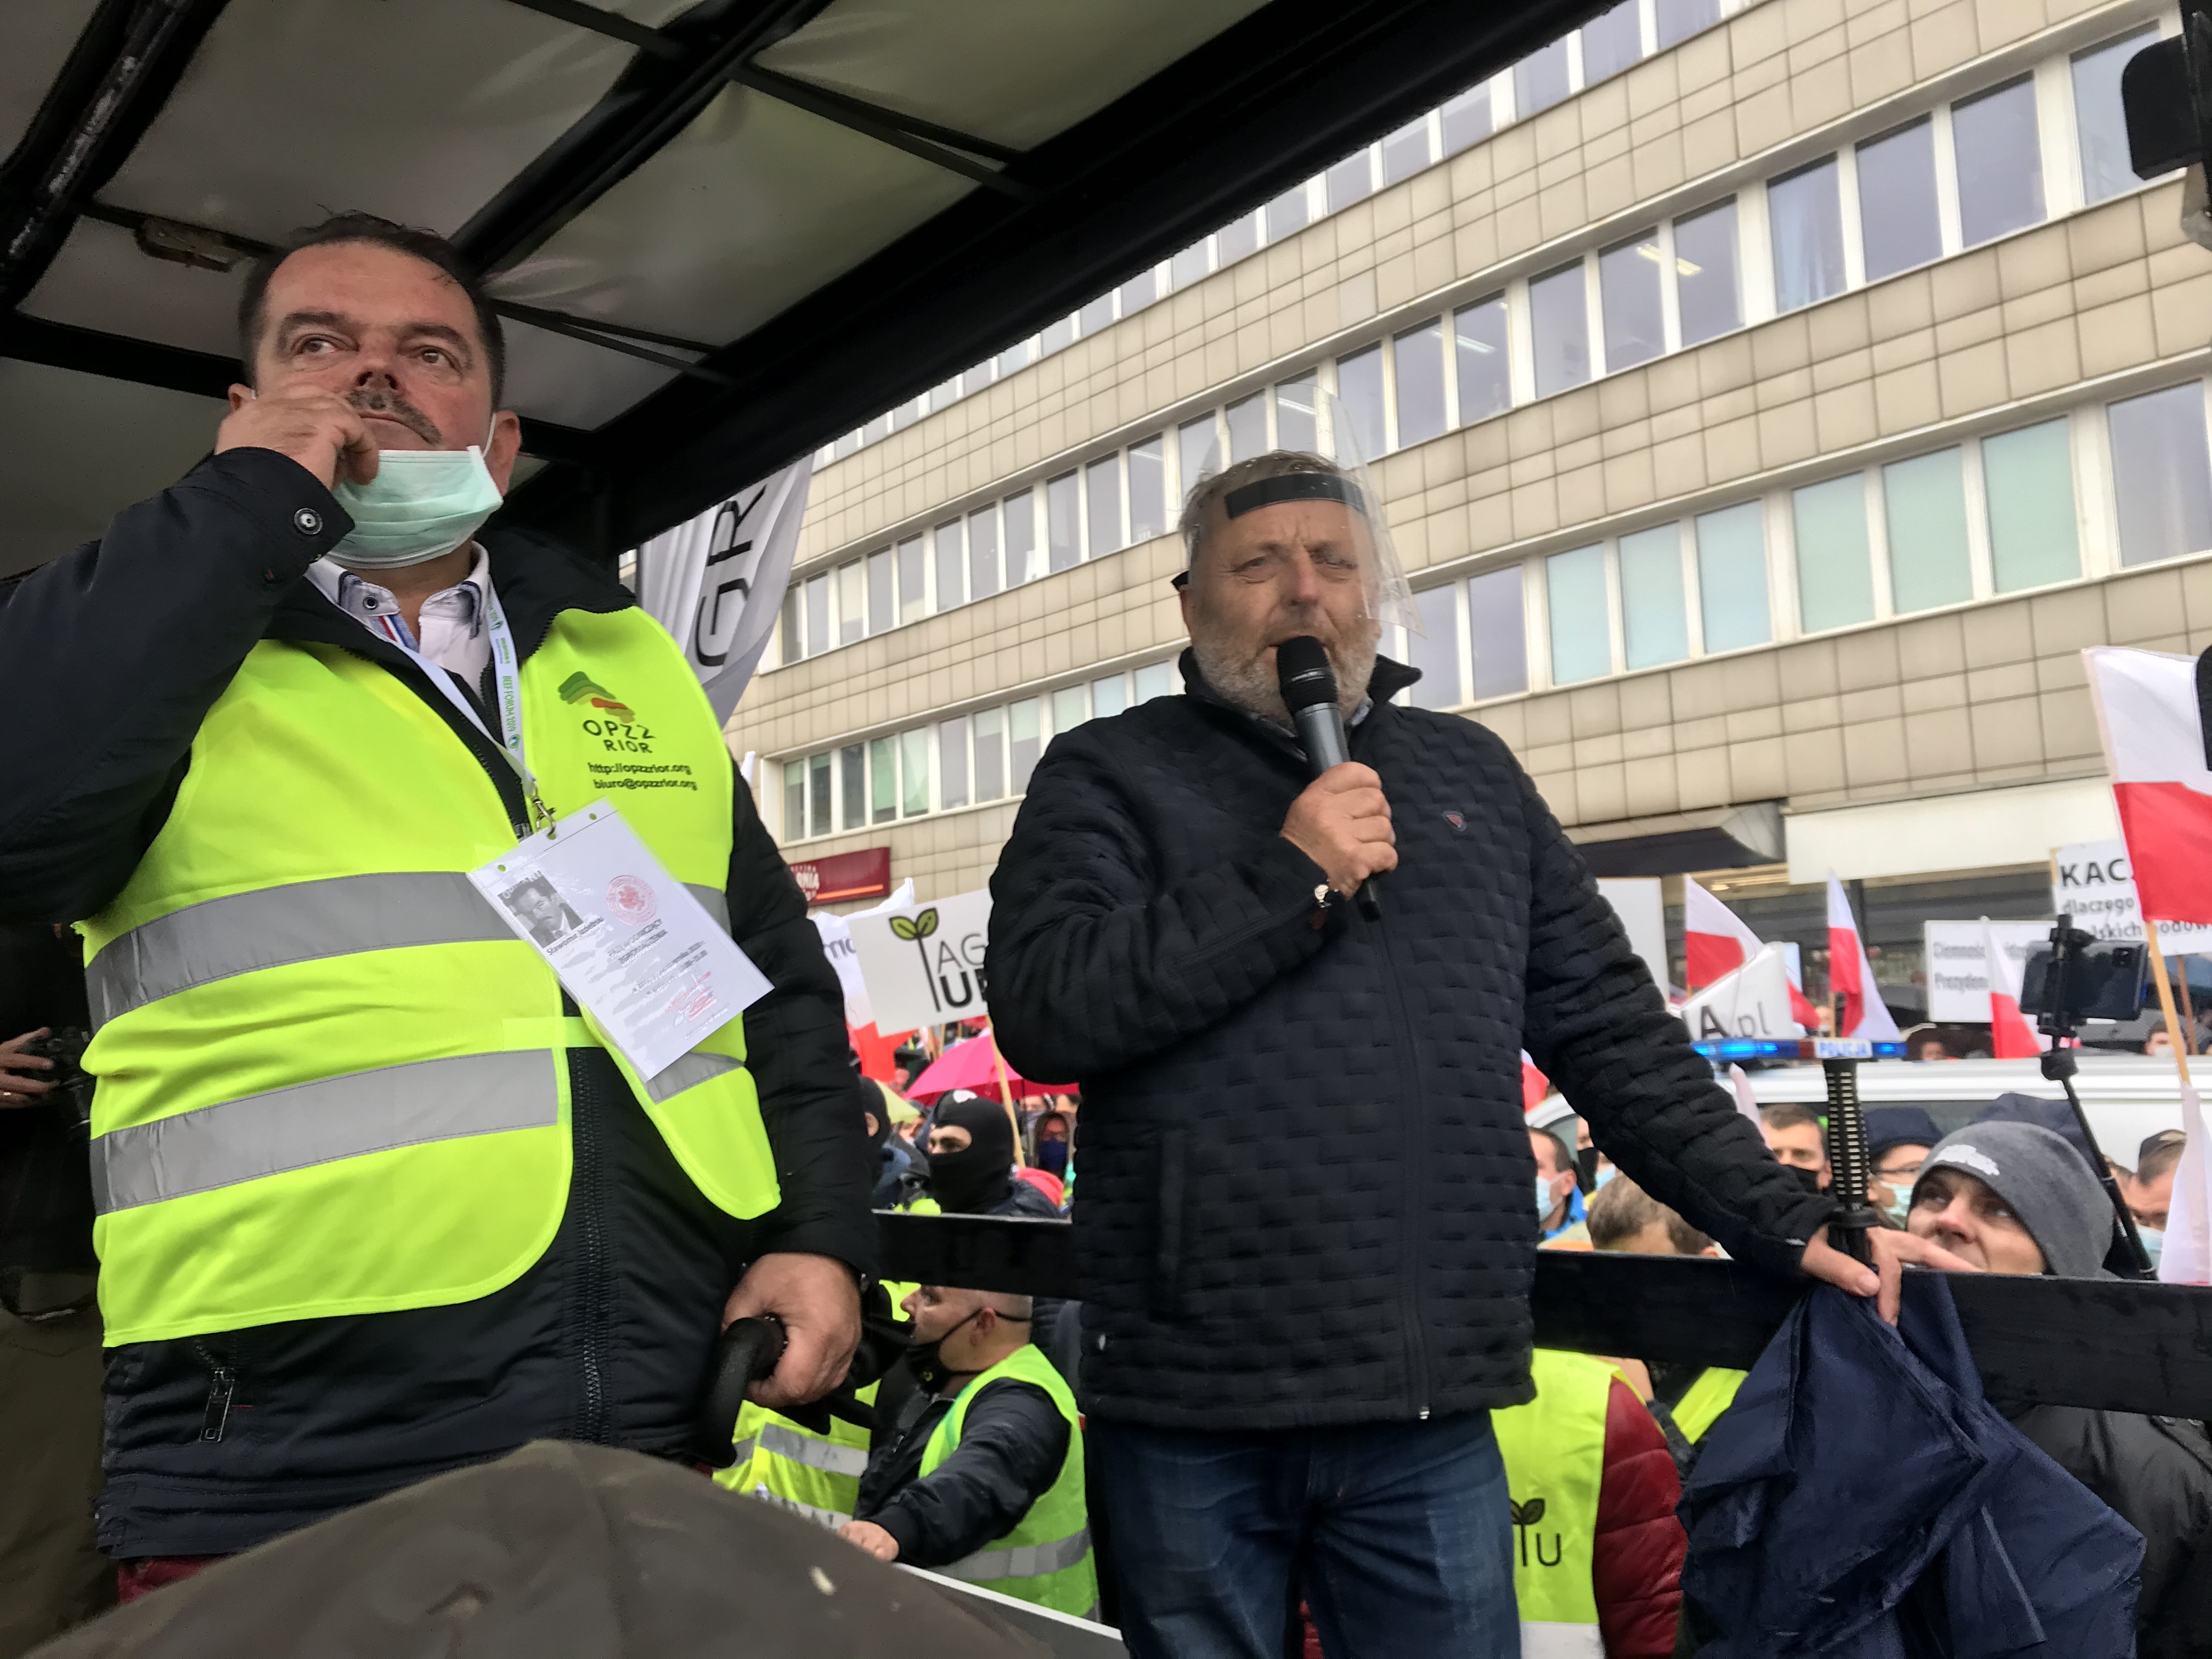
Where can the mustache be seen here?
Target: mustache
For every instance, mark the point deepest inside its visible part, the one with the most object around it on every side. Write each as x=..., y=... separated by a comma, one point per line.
x=390, y=405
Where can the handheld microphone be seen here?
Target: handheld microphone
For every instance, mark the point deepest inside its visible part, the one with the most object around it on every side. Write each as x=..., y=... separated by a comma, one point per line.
x=1309, y=688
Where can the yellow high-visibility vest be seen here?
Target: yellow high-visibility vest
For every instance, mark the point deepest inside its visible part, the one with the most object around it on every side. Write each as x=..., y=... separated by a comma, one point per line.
x=1554, y=1453
x=331, y=1079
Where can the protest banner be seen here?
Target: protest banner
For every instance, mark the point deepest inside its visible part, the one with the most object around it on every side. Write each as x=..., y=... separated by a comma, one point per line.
x=1753, y=1001
x=2093, y=881
x=1957, y=963
x=923, y=963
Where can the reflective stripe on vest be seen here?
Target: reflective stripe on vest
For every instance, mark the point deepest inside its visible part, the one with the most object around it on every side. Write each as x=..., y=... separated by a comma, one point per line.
x=1046, y=1559
x=1554, y=1453
x=1703, y=1402
x=330, y=1082
x=815, y=1474
x=300, y=921
x=780, y=1441
x=312, y=1123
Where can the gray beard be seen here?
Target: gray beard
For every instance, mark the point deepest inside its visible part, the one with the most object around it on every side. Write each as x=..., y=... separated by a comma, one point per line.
x=1246, y=683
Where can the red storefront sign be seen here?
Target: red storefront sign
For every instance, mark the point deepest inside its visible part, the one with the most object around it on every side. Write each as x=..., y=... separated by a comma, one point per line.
x=865, y=874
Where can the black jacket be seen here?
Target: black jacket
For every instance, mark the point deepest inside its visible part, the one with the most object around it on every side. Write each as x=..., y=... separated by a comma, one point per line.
x=110, y=658
x=1306, y=1183
x=1011, y=1445
x=2157, y=1473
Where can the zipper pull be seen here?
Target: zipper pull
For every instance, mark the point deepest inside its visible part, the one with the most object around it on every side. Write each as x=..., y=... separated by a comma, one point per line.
x=221, y=1386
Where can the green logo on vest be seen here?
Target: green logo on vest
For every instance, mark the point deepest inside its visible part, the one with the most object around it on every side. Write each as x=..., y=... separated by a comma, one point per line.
x=1526, y=1516
x=614, y=725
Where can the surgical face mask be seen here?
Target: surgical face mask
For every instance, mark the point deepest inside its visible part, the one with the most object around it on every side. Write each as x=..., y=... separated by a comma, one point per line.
x=1605, y=1173
x=422, y=503
x=1899, y=1204
x=1545, y=1201
x=2154, y=1240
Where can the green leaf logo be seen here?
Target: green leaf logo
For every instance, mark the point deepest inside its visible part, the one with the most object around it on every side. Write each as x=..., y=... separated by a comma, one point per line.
x=902, y=927
x=924, y=924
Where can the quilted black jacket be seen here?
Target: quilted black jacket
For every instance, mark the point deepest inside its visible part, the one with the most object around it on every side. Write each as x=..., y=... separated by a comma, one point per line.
x=1307, y=1190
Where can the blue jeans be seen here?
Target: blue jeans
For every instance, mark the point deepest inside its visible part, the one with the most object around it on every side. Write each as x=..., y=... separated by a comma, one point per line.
x=1397, y=1535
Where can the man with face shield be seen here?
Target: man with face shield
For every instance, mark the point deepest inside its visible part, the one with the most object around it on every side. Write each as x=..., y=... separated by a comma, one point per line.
x=1304, y=1232
x=375, y=1201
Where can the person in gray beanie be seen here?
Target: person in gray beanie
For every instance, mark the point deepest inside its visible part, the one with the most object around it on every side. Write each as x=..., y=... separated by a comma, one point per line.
x=2015, y=1198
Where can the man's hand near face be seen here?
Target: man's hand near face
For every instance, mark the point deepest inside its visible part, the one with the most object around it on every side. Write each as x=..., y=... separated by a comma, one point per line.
x=318, y=429
x=1342, y=823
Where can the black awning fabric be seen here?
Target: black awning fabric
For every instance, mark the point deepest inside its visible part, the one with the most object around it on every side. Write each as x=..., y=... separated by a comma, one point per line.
x=724, y=231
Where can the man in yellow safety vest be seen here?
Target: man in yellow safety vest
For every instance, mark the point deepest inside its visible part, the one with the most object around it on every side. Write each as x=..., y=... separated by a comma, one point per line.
x=981, y=1478
x=377, y=1198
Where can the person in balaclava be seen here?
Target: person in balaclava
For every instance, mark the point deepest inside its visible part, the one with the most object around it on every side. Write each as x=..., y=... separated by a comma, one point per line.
x=971, y=1160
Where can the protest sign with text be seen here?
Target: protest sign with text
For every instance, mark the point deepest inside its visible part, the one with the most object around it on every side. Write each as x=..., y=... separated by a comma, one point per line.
x=924, y=963
x=1957, y=963
x=2093, y=881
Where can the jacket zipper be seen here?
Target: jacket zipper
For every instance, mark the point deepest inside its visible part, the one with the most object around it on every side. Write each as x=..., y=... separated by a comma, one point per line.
x=222, y=1388
x=1417, y=1358
x=591, y=1269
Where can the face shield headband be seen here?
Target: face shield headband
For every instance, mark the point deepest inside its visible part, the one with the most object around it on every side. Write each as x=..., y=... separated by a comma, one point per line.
x=1288, y=487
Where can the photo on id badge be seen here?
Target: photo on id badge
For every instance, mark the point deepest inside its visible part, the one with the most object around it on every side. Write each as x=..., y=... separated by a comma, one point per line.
x=542, y=910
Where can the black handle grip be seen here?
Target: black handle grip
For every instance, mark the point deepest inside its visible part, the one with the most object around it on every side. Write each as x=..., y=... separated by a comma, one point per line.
x=1370, y=906
x=747, y=1351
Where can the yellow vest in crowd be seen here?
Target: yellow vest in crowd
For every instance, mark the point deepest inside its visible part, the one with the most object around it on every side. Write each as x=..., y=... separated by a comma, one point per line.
x=331, y=1079
x=1554, y=1453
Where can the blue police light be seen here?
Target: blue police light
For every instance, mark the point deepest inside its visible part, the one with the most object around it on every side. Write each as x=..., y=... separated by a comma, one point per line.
x=1805, y=1049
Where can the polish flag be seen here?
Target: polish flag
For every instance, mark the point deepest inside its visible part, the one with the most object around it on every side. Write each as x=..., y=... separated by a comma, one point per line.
x=1851, y=976
x=1715, y=943
x=1535, y=1085
x=2012, y=1038
x=2146, y=714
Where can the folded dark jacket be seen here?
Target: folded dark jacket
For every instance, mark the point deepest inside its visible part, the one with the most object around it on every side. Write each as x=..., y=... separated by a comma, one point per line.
x=1862, y=1499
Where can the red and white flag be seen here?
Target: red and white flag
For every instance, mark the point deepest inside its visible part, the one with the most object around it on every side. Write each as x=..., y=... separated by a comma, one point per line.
x=1715, y=943
x=2154, y=749
x=2012, y=1037
x=2187, y=1258
x=1851, y=976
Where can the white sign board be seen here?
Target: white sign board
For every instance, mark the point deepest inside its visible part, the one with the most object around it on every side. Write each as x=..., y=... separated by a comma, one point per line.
x=2091, y=881
x=1636, y=900
x=924, y=962
x=1751, y=1002
x=837, y=932
x=1958, y=969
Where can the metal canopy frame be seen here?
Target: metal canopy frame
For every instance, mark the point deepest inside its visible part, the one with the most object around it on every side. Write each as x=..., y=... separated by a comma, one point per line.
x=1266, y=102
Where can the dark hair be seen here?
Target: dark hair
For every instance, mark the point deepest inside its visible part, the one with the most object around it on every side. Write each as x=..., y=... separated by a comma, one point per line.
x=2159, y=1153
x=424, y=244
x=1787, y=1116
x=1563, y=1155
x=1620, y=1209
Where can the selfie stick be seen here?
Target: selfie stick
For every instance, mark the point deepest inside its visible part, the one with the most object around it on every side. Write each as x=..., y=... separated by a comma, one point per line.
x=1847, y=1149
x=2057, y=1022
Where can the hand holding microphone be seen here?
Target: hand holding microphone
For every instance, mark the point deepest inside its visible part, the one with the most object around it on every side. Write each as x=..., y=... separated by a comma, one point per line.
x=1342, y=821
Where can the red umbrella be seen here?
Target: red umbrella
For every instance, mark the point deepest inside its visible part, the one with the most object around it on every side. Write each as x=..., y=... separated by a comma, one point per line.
x=974, y=1064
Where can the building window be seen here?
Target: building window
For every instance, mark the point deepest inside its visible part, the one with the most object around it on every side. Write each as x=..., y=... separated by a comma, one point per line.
x=1188, y=266
x=983, y=553
x=1805, y=218
x=794, y=647
x=1295, y=427
x=913, y=768
x=2098, y=119
x=2027, y=478
x=817, y=794
x=1486, y=388
x=1017, y=357
x=1287, y=214
x=882, y=614
x=1498, y=633
x=1406, y=151
x=2159, y=475
x=2000, y=162
x=1612, y=41
x=1581, y=636
x=1102, y=484
x=951, y=566
x=1732, y=578
x=1063, y=532
x=1059, y=334
x=1835, y=563
x=1071, y=707
x=1197, y=445
x=817, y=615
x=852, y=611
x=794, y=800
x=1022, y=564
x=1628, y=293
x=1924, y=507
x=1435, y=648
x=1108, y=696
x=1679, y=20
x=883, y=780
x=1898, y=221
x=1466, y=118
x=1022, y=745
x=1359, y=395
x=1351, y=180
x=1235, y=240
x=1558, y=315
x=1148, y=485
x=1539, y=79
x=1655, y=618
x=1154, y=680
x=1417, y=354
x=1099, y=314
x=853, y=787
x=1248, y=426
x=990, y=753
x=1705, y=273
x=1140, y=291
x=952, y=762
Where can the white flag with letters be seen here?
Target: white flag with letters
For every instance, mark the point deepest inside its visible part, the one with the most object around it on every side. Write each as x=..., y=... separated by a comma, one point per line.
x=716, y=582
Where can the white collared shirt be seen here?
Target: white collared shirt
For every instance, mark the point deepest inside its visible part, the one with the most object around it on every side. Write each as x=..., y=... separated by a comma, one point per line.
x=452, y=619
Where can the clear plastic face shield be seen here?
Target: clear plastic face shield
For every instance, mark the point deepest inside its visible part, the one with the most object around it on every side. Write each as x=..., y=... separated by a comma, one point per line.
x=1302, y=517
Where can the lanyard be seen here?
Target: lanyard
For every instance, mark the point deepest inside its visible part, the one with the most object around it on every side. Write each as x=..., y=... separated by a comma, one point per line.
x=506, y=675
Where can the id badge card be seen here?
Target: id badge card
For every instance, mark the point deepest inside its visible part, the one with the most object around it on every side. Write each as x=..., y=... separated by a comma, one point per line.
x=629, y=941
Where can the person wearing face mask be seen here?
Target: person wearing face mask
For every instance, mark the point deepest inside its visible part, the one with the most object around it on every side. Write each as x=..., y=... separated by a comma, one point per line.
x=2151, y=1190
x=1052, y=1144
x=374, y=1202
x=1560, y=1206
x=1898, y=1141
x=981, y=1476
x=2016, y=1198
